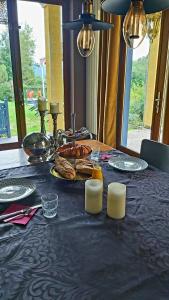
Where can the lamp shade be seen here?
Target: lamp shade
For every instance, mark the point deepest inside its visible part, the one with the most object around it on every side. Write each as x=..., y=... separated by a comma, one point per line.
x=86, y=19
x=120, y=7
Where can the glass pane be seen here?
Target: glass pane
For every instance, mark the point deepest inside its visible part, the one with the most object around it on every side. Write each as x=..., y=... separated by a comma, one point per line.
x=42, y=62
x=8, y=127
x=141, y=68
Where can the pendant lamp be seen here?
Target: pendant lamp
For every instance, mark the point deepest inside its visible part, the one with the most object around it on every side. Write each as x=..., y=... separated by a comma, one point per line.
x=135, y=22
x=87, y=24
x=121, y=7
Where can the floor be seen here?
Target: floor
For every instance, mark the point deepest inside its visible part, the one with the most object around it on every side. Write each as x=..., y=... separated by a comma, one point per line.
x=135, y=138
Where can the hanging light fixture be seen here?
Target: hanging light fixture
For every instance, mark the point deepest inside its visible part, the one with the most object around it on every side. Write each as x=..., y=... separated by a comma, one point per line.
x=3, y=12
x=86, y=40
x=87, y=24
x=135, y=26
x=153, y=26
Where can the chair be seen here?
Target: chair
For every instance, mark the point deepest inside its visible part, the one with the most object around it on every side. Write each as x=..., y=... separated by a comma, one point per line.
x=4, y=119
x=156, y=154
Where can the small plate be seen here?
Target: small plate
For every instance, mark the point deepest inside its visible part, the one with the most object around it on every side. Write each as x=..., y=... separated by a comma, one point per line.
x=79, y=177
x=13, y=189
x=128, y=163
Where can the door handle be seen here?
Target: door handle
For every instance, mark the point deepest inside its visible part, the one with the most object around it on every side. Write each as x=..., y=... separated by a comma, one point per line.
x=157, y=102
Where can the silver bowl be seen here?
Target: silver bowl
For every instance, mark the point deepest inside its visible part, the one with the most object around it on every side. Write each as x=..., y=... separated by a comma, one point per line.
x=37, y=147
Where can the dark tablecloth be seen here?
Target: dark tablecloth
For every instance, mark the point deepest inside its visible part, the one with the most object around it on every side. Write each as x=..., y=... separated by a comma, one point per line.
x=80, y=256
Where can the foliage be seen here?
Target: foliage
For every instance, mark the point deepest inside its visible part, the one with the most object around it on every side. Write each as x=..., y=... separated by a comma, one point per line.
x=5, y=84
x=136, y=114
x=32, y=121
x=27, y=45
x=5, y=58
x=138, y=92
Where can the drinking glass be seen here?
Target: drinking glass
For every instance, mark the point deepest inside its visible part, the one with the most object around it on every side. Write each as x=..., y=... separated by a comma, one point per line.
x=95, y=154
x=49, y=205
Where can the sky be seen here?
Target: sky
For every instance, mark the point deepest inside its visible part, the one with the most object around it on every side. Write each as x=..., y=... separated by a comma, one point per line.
x=142, y=50
x=33, y=14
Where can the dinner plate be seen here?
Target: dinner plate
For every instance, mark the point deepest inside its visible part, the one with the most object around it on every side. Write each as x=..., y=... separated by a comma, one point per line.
x=128, y=163
x=13, y=189
x=77, y=178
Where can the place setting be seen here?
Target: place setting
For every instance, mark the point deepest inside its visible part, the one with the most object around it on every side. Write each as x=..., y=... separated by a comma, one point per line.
x=66, y=160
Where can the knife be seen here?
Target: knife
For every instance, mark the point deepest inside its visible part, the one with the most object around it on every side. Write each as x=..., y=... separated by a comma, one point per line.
x=21, y=211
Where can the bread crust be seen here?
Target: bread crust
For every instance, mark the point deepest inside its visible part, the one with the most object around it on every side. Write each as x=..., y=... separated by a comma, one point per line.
x=84, y=166
x=74, y=151
x=64, y=168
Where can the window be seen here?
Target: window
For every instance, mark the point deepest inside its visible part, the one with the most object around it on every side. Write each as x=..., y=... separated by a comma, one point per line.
x=141, y=99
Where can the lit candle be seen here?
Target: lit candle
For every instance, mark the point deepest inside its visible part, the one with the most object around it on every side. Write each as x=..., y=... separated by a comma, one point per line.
x=93, y=196
x=54, y=108
x=116, y=200
x=42, y=104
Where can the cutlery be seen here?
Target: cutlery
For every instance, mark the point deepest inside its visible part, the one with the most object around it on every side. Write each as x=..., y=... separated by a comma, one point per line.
x=21, y=211
x=19, y=216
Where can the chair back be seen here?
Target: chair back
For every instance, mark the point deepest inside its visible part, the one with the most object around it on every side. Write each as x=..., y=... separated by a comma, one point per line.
x=4, y=119
x=156, y=154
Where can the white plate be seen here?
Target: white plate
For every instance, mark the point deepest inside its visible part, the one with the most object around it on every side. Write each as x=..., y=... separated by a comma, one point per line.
x=13, y=189
x=128, y=163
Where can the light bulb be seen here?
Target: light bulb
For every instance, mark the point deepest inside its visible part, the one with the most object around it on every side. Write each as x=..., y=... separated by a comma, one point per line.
x=135, y=24
x=86, y=40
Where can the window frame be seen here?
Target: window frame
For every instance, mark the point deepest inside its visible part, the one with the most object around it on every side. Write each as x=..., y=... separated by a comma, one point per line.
x=159, y=86
x=17, y=69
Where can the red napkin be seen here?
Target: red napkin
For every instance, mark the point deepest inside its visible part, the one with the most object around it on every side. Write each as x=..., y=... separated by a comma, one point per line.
x=21, y=220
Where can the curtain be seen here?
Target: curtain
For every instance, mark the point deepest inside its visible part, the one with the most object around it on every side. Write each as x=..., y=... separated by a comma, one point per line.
x=108, y=80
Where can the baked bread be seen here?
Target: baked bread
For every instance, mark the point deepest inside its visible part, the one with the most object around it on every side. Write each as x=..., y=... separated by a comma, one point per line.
x=84, y=166
x=64, y=168
x=74, y=151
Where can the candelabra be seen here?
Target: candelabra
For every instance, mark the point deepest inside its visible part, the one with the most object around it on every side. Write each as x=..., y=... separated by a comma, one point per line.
x=55, y=130
x=42, y=119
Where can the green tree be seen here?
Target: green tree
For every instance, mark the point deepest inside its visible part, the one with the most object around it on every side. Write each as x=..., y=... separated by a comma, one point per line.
x=5, y=56
x=138, y=92
x=139, y=74
x=27, y=45
x=5, y=84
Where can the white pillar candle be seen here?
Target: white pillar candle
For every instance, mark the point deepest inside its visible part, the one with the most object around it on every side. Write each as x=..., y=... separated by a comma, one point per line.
x=116, y=200
x=54, y=108
x=42, y=104
x=93, y=196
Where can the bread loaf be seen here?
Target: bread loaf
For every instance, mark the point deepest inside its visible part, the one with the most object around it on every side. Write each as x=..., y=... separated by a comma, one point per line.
x=64, y=168
x=74, y=151
x=84, y=166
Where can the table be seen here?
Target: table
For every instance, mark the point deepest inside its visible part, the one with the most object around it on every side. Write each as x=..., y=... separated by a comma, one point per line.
x=80, y=256
x=18, y=158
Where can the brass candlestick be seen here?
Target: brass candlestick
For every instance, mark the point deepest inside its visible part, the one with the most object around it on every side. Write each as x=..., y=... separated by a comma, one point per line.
x=55, y=130
x=42, y=119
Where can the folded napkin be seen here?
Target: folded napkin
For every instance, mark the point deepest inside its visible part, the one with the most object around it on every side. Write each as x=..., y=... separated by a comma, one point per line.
x=21, y=220
x=105, y=156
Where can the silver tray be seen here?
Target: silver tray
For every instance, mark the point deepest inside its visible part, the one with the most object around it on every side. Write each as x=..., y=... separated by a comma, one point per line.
x=13, y=189
x=128, y=163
